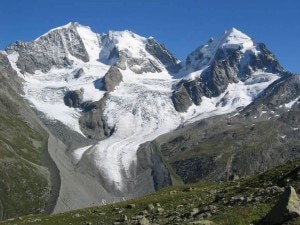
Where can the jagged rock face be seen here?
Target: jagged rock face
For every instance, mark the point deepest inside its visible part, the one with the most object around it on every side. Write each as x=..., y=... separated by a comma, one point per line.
x=140, y=65
x=73, y=98
x=221, y=73
x=264, y=61
x=51, y=49
x=112, y=78
x=223, y=63
x=283, y=91
x=163, y=55
x=143, y=56
x=181, y=99
x=212, y=83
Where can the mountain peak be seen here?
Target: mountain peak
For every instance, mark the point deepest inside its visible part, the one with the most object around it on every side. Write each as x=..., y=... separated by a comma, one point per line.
x=234, y=38
x=68, y=26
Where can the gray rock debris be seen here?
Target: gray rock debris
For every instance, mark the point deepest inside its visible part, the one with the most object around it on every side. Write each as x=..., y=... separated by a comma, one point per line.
x=160, y=52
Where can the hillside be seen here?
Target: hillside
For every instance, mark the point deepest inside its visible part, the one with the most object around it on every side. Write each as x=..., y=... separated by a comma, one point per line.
x=24, y=179
x=243, y=201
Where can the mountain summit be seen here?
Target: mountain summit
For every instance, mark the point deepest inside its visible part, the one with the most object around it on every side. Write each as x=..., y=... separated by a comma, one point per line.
x=233, y=58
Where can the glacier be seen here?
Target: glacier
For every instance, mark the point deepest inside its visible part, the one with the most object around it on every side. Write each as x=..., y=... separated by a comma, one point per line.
x=140, y=109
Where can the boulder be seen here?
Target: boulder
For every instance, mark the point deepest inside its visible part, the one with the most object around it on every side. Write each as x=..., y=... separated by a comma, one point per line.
x=287, y=208
x=73, y=98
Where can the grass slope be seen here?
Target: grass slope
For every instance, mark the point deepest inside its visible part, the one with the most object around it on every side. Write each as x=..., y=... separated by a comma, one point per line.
x=23, y=180
x=245, y=201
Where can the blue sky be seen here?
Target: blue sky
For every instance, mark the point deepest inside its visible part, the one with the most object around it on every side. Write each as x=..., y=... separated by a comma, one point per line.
x=182, y=25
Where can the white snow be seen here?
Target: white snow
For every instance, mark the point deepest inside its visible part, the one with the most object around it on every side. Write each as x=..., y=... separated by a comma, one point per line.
x=140, y=108
x=77, y=153
x=90, y=41
x=129, y=42
x=291, y=103
x=203, y=56
x=45, y=91
x=124, y=41
x=237, y=95
x=233, y=38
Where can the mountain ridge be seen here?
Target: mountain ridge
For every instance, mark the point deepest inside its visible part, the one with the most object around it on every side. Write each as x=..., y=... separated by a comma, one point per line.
x=119, y=90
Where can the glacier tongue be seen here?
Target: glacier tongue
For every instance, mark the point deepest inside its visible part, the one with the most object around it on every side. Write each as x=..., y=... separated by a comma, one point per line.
x=141, y=110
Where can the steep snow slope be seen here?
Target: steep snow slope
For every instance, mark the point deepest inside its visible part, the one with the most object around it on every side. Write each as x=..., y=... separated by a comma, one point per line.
x=140, y=108
x=203, y=56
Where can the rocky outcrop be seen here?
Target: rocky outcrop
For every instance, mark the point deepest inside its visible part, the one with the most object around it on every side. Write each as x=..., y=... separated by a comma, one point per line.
x=92, y=121
x=49, y=50
x=147, y=159
x=137, y=65
x=73, y=98
x=212, y=83
x=147, y=56
x=181, y=99
x=287, y=208
x=160, y=52
x=265, y=61
x=277, y=96
x=112, y=78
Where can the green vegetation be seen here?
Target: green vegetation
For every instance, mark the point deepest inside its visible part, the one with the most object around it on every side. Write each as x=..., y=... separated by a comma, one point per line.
x=23, y=184
x=245, y=201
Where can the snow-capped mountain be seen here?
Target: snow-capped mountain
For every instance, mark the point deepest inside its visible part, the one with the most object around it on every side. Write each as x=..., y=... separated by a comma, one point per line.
x=122, y=90
x=232, y=61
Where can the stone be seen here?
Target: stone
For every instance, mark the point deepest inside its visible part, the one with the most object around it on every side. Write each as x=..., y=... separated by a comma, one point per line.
x=73, y=98
x=233, y=177
x=159, y=210
x=143, y=221
x=194, y=212
x=122, y=218
x=150, y=207
x=287, y=208
x=130, y=206
x=144, y=213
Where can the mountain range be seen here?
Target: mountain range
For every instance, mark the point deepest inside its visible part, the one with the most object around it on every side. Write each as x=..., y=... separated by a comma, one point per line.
x=91, y=119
